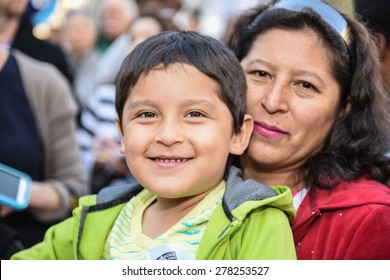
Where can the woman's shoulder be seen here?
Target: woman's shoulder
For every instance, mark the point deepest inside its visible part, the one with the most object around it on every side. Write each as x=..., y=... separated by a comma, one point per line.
x=363, y=191
x=364, y=185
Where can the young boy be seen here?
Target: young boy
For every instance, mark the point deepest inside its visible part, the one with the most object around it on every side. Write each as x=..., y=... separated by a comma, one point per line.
x=181, y=114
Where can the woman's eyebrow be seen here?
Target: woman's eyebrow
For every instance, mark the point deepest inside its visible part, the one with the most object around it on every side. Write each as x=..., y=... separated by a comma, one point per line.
x=258, y=61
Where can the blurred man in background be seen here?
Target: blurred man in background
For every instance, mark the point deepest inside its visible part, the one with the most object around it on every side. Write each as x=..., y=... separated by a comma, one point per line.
x=16, y=31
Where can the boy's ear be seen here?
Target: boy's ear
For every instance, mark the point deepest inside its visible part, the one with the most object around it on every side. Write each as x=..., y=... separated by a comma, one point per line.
x=119, y=128
x=240, y=140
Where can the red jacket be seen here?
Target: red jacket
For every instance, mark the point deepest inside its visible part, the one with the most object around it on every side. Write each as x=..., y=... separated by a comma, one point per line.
x=351, y=221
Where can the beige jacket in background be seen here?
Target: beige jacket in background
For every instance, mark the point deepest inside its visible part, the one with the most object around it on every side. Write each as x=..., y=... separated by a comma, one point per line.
x=54, y=110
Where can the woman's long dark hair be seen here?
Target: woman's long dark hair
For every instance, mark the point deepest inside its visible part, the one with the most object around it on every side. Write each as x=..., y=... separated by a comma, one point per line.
x=358, y=143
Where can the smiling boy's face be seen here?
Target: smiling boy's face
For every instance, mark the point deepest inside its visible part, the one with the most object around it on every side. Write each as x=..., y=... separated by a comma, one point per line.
x=177, y=133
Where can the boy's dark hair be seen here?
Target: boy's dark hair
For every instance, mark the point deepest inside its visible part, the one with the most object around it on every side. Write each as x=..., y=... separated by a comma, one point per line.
x=205, y=53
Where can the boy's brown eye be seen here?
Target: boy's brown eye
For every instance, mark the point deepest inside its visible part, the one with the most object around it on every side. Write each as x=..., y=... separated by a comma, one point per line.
x=195, y=114
x=147, y=115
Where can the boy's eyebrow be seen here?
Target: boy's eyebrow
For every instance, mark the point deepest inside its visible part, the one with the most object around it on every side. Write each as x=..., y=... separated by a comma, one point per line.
x=202, y=102
x=188, y=102
x=140, y=103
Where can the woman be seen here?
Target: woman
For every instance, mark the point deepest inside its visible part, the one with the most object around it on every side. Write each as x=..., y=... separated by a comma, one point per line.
x=321, y=125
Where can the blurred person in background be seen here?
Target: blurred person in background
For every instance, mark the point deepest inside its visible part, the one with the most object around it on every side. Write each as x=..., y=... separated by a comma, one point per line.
x=165, y=8
x=79, y=37
x=117, y=16
x=37, y=120
x=184, y=14
x=16, y=30
x=146, y=25
x=376, y=15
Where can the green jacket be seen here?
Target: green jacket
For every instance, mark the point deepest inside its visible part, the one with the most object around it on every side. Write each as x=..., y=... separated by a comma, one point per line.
x=252, y=222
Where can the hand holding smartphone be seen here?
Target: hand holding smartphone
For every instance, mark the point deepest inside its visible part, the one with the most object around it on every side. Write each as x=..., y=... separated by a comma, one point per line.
x=15, y=188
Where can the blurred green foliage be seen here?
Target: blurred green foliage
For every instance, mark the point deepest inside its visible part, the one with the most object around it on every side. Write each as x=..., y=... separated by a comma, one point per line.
x=345, y=5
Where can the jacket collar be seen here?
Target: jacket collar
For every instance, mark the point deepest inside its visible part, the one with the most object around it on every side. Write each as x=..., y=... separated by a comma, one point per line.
x=239, y=191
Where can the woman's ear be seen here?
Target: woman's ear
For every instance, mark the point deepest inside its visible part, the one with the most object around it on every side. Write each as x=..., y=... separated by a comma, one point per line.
x=381, y=43
x=346, y=108
x=120, y=132
x=240, y=140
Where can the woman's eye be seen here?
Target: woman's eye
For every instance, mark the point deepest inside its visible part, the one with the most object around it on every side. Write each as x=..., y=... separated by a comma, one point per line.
x=195, y=114
x=146, y=115
x=309, y=86
x=262, y=73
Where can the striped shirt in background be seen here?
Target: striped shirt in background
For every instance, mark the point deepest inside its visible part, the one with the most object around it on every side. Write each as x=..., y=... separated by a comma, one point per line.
x=98, y=121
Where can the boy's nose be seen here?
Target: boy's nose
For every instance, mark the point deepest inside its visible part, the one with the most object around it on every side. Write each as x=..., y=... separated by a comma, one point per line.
x=170, y=133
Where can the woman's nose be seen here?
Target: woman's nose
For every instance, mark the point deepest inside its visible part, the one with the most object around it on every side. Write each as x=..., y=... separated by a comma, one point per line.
x=276, y=98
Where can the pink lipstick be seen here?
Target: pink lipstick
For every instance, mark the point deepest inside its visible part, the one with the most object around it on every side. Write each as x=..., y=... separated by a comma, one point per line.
x=268, y=131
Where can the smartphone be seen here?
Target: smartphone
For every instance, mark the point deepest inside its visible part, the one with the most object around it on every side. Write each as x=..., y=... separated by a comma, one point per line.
x=15, y=188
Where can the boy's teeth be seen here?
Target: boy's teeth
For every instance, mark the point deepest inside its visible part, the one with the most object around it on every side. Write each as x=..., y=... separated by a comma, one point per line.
x=172, y=160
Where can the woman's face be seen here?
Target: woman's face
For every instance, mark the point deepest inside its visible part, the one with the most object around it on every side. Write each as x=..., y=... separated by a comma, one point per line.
x=293, y=98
